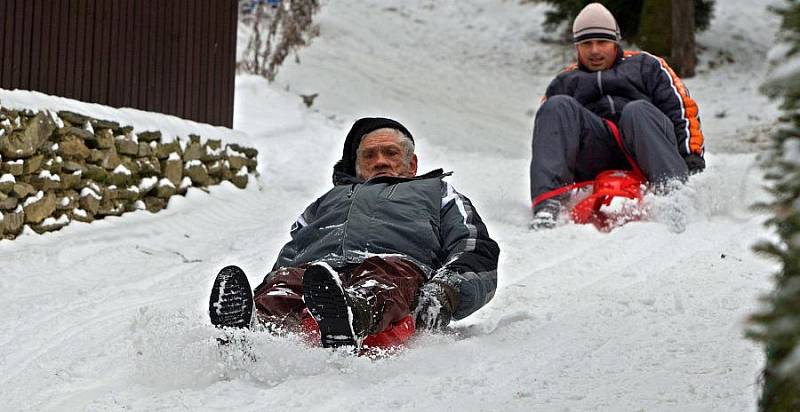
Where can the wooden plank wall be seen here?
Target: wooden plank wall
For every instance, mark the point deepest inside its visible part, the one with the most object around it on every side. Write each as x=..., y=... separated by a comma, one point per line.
x=170, y=56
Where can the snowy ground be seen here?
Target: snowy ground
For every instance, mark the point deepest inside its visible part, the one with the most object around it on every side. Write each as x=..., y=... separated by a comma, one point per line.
x=112, y=315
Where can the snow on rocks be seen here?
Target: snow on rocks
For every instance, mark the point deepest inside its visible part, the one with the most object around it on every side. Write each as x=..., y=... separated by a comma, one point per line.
x=147, y=183
x=100, y=166
x=121, y=169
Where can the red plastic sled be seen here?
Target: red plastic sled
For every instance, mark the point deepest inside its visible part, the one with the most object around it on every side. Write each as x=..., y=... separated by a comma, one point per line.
x=397, y=334
x=605, y=187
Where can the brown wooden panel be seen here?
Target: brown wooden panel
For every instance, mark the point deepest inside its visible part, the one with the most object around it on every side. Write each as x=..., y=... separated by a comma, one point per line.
x=156, y=13
x=26, y=46
x=61, y=44
x=230, y=62
x=212, y=93
x=75, y=48
x=144, y=64
x=153, y=11
x=119, y=47
x=137, y=55
x=192, y=71
x=182, y=20
x=68, y=65
x=186, y=67
x=219, y=25
x=130, y=55
x=142, y=31
x=16, y=62
x=63, y=48
x=6, y=54
x=103, y=56
x=162, y=65
x=162, y=58
x=193, y=63
x=206, y=62
x=136, y=43
x=115, y=57
x=203, y=63
x=171, y=56
x=9, y=50
x=94, y=56
x=110, y=14
x=85, y=49
x=213, y=22
x=41, y=55
x=77, y=51
x=54, y=67
x=151, y=61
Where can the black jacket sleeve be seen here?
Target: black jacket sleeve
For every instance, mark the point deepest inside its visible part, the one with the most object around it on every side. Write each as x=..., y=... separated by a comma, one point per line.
x=672, y=98
x=554, y=88
x=471, y=264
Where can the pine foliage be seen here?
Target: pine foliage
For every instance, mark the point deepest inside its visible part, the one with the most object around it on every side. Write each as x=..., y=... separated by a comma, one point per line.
x=777, y=325
x=627, y=13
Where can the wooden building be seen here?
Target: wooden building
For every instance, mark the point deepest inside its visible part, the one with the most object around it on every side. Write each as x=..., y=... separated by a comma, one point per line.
x=170, y=56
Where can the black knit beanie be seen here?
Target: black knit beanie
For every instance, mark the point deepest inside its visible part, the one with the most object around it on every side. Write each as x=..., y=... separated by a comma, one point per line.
x=345, y=169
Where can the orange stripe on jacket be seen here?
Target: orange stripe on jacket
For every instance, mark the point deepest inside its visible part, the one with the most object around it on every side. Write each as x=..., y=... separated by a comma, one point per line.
x=690, y=110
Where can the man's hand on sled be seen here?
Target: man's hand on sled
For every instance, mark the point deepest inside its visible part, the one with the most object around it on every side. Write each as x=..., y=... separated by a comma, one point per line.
x=695, y=163
x=435, y=305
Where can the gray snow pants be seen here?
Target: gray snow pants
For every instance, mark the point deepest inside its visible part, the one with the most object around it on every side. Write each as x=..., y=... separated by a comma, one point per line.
x=571, y=144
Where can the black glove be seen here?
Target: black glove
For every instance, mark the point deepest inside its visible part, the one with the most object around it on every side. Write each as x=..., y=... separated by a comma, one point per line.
x=695, y=163
x=435, y=305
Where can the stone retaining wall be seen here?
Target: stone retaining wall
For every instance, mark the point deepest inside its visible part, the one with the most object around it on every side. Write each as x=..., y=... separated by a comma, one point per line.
x=60, y=167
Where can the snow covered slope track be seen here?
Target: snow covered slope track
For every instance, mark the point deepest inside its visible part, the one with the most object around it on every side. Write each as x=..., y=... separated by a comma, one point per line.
x=113, y=315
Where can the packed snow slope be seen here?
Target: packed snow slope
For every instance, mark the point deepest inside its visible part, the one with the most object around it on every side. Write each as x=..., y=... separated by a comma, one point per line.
x=112, y=315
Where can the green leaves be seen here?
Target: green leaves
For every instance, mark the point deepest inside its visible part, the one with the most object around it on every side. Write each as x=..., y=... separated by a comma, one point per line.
x=777, y=325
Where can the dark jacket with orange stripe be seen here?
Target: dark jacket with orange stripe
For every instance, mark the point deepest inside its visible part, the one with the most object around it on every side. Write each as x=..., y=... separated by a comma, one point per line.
x=635, y=76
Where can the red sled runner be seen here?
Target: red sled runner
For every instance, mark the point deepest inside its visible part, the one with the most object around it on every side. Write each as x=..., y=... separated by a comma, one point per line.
x=605, y=187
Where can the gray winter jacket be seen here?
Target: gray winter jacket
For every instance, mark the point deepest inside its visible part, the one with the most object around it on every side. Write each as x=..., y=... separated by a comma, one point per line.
x=422, y=219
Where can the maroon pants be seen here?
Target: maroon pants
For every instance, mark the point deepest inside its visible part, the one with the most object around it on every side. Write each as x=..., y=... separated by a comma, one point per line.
x=390, y=285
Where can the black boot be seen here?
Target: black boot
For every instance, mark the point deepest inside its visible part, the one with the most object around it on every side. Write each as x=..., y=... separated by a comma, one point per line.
x=344, y=319
x=231, y=302
x=545, y=215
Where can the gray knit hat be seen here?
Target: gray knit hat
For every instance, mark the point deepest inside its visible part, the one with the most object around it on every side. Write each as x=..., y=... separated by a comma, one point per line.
x=595, y=22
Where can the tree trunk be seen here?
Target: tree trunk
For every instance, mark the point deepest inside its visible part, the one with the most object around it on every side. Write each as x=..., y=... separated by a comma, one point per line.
x=683, y=51
x=655, y=28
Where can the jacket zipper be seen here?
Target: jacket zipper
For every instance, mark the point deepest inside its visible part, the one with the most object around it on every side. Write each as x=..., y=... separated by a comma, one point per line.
x=600, y=86
x=391, y=191
x=350, y=195
x=611, y=103
x=600, y=81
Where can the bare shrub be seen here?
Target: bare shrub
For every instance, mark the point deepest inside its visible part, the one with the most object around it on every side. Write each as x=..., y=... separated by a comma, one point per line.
x=276, y=29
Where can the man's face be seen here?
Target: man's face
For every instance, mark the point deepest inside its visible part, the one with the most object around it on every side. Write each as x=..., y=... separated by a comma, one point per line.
x=381, y=154
x=597, y=55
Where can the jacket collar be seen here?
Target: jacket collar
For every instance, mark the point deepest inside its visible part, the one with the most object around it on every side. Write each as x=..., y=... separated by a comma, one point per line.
x=346, y=179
